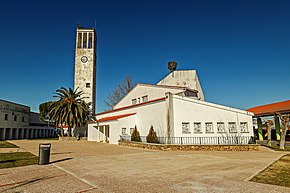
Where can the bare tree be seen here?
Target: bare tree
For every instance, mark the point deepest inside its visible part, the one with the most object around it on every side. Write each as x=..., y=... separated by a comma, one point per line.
x=269, y=124
x=119, y=92
x=285, y=122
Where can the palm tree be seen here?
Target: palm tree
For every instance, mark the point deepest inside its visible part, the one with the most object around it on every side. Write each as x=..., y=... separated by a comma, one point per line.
x=70, y=109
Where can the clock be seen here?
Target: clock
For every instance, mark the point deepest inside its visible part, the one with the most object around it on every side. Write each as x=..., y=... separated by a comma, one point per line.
x=84, y=59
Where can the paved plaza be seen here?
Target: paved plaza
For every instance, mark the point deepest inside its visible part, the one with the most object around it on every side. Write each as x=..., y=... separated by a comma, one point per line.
x=83, y=166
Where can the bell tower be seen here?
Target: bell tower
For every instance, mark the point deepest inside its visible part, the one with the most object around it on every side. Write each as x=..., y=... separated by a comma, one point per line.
x=85, y=65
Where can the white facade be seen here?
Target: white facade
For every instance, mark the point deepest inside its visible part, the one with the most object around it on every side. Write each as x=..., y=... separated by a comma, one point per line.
x=173, y=112
x=184, y=78
x=17, y=122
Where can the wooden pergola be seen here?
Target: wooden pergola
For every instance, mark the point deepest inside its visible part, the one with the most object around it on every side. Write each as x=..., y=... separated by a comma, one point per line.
x=270, y=110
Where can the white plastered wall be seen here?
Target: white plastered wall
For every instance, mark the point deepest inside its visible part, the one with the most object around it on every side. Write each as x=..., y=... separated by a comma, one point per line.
x=153, y=92
x=191, y=110
x=183, y=78
x=146, y=115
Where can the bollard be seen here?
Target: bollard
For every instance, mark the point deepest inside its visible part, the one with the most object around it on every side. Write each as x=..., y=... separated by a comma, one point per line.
x=44, y=153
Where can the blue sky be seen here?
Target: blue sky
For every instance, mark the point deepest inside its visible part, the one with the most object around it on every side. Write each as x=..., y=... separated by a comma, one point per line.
x=240, y=49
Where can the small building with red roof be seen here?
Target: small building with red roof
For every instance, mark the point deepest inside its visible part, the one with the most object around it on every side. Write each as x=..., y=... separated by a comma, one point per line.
x=270, y=109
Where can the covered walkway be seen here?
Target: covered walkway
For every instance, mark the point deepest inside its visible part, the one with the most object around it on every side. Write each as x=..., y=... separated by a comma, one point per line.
x=269, y=110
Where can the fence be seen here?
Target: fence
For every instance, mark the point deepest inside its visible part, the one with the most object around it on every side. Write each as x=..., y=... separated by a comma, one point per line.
x=228, y=140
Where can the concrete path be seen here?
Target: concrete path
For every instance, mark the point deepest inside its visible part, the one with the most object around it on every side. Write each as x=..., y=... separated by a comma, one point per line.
x=82, y=166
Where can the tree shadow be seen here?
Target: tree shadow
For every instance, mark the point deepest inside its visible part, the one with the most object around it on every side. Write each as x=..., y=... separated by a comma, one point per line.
x=26, y=182
x=61, y=160
x=7, y=161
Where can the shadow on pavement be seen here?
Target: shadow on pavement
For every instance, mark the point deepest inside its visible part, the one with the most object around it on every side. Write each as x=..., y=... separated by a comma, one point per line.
x=62, y=153
x=61, y=160
x=7, y=161
x=26, y=182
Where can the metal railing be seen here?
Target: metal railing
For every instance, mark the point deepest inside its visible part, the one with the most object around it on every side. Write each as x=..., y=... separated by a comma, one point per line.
x=227, y=140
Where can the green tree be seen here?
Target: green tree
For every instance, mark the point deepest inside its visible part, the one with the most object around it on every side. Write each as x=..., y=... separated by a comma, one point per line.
x=135, y=135
x=44, y=109
x=152, y=137
x=70, y=109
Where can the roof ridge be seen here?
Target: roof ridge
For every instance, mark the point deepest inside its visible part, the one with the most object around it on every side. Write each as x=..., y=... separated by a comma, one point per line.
x=130, y=106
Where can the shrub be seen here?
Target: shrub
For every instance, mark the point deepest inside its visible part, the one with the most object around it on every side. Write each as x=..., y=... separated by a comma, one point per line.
x=152, y=137
x=135, y=135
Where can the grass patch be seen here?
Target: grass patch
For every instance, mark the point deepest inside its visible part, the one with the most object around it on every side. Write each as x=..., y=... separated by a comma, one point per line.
x=276, y=174
x=10, y=160
x=5, y=144
x=277, y=148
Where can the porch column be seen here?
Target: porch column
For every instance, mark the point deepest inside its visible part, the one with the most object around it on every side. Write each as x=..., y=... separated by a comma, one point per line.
x=277, y=127
x=32, y=133
x=10, y=133
x=36, y=133
x=98, y=133
x=260, y=130
x=104, y=135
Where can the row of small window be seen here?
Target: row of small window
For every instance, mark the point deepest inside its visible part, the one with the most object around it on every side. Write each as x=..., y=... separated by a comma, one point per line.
x=15, y=118
x=124, y=131
x=197, y=128
x=144, y=99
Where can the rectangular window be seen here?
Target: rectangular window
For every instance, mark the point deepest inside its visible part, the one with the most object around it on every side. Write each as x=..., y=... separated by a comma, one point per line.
x=131, y=130
x=79, y=40
x=197, y=128
x=185, y=128
x=85, y=40
x=134, y=101
x=23, y=119
x=220, y=127
x=88, y=85
x=15, y=117
x=244, y=127
x=6, y=117
x=145, y=98
x=124, y=131
x=90, y=40
x=208, y=127
x=232, y=127
x=139, y=100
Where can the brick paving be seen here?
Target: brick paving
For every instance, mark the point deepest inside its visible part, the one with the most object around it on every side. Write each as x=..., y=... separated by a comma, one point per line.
x=83, y=166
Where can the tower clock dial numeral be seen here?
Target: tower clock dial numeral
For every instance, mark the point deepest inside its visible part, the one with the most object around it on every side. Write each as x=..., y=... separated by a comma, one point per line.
x=84, y=59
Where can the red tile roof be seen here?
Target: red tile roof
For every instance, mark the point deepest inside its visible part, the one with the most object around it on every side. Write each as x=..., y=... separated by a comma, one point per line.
x=113, y=118
x=270, y=109
x=131, y=106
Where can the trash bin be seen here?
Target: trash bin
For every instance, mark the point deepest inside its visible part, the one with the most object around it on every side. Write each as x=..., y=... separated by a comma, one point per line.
x=44, y=153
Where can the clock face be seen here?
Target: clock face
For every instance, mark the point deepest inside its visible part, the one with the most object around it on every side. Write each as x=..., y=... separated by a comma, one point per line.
x=84, y=59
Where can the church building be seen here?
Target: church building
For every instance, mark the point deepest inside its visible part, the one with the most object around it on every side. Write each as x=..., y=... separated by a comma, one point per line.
x=177, y=109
